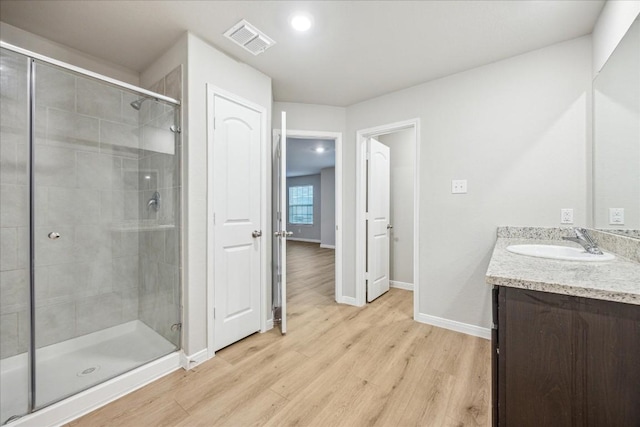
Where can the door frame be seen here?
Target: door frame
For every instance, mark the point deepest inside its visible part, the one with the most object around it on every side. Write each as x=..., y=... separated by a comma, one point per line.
x=361, y=206
x=337, y=137
x=212, y=92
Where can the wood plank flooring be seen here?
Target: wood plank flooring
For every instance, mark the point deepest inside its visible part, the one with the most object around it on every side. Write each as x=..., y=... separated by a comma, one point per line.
x=337, y=366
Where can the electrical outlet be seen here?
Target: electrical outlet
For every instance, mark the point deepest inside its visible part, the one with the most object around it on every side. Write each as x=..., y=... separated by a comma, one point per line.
x=566, y=216
x=458, y=186
x=616, y=216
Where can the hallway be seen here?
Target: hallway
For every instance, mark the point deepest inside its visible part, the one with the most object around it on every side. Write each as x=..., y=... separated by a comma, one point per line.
x=337, y=365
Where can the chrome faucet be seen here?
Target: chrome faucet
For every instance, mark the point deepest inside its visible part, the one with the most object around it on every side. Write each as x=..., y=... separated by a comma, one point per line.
x=585, y=240
x=154, y=201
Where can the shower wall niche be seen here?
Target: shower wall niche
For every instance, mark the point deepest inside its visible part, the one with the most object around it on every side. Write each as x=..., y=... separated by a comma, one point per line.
x=82, y=161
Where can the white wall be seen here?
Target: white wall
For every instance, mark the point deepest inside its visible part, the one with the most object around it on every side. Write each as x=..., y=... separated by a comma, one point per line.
x=614, y=21
x=328, y=207
x=402, y=147
x=310, y=117
x=208, y=65
x=517, y=129
x=204, y=64
x=37, y=44
x=307, y=232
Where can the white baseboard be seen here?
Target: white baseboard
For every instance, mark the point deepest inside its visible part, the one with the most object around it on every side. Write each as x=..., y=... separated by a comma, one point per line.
x=322, y=245
x=89, y=400
x=348, y=301
x=299, y=239
x=193, y=360
x=401, y=285
x=269, y=325
x=465, y=328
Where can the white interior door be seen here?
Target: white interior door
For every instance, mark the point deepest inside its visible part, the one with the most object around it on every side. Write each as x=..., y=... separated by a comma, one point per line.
x=237, y=234
x=281, y=233
x=378, y=211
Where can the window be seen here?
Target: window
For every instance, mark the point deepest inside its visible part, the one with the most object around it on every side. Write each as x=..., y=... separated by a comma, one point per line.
x=301, y=204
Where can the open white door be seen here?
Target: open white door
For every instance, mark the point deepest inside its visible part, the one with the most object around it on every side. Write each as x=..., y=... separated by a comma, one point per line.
x=280, y=280
x=236, y=213
x=378, y=211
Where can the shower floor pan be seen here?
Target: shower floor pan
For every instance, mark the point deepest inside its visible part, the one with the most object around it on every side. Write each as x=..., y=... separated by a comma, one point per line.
x=68, y=367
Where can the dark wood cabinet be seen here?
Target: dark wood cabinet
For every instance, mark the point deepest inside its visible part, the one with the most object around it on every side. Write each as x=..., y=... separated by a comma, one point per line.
x=561, y=360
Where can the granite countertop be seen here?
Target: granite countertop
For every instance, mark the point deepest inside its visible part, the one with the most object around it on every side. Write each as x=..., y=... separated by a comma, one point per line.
x=617, y=280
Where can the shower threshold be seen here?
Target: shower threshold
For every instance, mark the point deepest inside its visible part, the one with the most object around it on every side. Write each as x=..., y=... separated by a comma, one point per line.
x=71, y=366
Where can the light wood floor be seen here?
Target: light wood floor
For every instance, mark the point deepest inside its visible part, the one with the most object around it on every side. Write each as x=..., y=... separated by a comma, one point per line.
x=337, y=366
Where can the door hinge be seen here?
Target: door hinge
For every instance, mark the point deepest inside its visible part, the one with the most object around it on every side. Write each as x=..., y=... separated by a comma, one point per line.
x=214, y=312
x=214, y=218
x=366, y=216
x=214, y=123
x=497, y=350
x=366, y=155
x=366, y=276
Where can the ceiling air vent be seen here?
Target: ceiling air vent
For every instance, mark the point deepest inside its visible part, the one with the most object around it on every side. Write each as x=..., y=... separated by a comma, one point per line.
x=249, y=37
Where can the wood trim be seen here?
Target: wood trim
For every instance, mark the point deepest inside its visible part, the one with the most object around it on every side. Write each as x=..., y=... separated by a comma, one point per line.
x=191, y=361
x=453, y=325
x=401, y=285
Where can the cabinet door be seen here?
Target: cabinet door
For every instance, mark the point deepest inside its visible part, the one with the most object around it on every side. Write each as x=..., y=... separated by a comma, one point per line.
x=567, y=361
x=611, y=349
x=537, y=364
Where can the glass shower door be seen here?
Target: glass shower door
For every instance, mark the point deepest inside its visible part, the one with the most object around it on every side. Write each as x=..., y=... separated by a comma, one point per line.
x=14, y=235
x=106, y=236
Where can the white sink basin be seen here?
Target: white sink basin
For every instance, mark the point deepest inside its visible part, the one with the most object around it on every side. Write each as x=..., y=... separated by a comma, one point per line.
x=558, y=252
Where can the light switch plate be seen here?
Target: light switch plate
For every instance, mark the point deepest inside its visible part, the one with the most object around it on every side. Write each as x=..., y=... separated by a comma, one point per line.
x=458, y=186
x=616, y=216
x=566, y=216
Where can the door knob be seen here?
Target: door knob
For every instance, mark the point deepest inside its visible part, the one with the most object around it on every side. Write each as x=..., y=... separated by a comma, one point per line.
x=288, y=233
x=53, y=235
x=389, y=226
x=256, y=233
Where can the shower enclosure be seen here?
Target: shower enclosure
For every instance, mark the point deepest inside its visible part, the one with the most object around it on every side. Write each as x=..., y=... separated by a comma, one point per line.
x=90, y=231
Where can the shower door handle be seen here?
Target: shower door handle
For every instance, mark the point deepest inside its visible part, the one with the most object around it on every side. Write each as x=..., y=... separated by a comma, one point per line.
x=53, y=235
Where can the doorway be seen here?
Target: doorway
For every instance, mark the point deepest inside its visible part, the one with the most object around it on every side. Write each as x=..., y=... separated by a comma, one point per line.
x=401, y=141
x=326, y=238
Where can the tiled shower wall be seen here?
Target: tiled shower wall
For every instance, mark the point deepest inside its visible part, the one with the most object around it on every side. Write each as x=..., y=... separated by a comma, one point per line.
x=14, y=232
x=86, y=182
x=97, y=161
x=86, y=179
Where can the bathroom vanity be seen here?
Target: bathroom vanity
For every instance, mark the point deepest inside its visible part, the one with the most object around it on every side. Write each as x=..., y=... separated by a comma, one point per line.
x=566, y=337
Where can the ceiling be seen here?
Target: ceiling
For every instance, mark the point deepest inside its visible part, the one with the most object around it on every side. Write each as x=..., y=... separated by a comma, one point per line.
x=302, y=159
x=355, y=51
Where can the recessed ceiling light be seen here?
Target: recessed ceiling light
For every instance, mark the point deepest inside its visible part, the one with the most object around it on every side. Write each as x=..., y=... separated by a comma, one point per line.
x=301, y=21
x=319, y=149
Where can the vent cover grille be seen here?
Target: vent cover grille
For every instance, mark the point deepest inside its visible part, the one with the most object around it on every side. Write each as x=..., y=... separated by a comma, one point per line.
x=249, y=37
